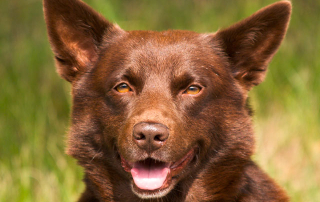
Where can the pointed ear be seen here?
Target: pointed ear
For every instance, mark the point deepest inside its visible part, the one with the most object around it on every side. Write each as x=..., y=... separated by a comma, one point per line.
x=75, y=32
x=251, y=43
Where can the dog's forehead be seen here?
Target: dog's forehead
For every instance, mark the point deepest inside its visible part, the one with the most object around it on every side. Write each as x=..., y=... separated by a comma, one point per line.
x=166, y=52
x=165, y=45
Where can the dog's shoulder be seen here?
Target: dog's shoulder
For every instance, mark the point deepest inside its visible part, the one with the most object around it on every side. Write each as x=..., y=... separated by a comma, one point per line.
x=258, y=186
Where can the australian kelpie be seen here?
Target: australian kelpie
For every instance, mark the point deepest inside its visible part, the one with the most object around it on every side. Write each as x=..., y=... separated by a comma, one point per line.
x=163, y=116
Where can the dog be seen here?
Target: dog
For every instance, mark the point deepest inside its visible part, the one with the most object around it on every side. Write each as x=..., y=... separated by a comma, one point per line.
x=164, y=116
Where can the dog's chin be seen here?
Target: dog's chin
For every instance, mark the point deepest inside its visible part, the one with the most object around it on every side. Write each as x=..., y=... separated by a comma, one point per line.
x=155, y=179
x=150, y=194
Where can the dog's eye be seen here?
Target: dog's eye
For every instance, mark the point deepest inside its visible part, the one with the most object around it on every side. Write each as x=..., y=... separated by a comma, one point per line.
x=123, y=88
x=192, y=90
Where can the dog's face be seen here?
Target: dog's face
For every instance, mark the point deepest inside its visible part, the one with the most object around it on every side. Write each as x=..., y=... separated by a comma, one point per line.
x=152, y=108
x=162, y=106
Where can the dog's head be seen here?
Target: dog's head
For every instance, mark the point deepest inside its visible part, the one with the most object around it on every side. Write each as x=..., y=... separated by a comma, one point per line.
x=150, y=108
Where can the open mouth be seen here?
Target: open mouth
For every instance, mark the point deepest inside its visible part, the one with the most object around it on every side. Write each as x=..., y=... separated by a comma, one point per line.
x=150, y=175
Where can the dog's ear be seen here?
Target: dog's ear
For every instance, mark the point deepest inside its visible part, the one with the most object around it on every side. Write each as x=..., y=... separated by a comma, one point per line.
x=251, y=43
x=75, y=32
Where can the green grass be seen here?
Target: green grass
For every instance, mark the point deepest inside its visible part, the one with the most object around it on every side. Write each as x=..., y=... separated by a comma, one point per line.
x=35, y=102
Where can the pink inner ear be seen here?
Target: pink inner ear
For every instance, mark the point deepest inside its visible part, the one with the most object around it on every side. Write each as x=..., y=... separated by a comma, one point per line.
x=74, y=31
x=85, y=52
x=252, y=42
x=77, y=44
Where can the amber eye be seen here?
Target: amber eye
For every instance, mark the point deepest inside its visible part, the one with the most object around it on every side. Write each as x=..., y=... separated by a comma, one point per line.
x=193, y=90
x=123, y=88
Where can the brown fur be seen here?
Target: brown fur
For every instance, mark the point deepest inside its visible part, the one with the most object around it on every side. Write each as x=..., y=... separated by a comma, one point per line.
x=96, y=55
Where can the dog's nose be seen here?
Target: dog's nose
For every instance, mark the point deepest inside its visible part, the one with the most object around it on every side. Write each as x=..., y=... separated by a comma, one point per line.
x=150, y=136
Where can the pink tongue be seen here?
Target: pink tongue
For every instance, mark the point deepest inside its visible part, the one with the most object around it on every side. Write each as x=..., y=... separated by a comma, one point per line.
x=149, y=176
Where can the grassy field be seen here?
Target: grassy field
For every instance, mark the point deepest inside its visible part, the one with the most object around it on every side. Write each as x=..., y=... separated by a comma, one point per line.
x=35, y=102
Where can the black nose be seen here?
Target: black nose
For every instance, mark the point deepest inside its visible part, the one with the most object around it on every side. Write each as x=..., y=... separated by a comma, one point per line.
x=150, y=136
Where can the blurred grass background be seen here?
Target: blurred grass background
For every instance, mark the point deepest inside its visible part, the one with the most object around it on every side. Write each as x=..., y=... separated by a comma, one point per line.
x=35, y=102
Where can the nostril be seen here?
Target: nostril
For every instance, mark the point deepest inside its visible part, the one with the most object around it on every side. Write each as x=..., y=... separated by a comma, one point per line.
x=139, y=136
x=160, y=137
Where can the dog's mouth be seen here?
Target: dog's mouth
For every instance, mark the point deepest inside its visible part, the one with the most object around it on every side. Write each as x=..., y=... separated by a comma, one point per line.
x=152, y=176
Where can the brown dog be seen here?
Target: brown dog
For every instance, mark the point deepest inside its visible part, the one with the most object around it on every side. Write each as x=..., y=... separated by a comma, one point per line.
x=163, y=116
